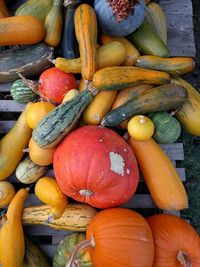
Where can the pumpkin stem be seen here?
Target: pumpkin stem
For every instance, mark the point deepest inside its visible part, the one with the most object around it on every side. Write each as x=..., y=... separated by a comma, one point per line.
x=82, y=245
x=183, y=258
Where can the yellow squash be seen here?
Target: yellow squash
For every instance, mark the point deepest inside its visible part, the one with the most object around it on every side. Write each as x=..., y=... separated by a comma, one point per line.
x=12, y=246
x=85, y=22
x=131, y=51
x=189, y=114
x=111, y=54
x=12, y=146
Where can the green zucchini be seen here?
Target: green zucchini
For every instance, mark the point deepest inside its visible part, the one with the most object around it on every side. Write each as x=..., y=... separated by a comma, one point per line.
x=161, y=98
x=28, y=172
x=22, y=93
x=148, y=42
x=27, y=60
x=37, y=8
x=59, y=122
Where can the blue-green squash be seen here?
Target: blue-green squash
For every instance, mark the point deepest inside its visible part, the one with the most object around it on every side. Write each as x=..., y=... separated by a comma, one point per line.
x=167, y=128
x=65, y=249
x=22, y=93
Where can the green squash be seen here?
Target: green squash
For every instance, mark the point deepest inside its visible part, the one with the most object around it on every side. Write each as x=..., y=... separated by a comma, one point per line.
x=167, y=128
x=65, y=249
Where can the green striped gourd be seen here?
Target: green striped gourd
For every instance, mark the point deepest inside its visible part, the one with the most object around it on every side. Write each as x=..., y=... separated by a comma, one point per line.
x=22, y=93
x=28, y=172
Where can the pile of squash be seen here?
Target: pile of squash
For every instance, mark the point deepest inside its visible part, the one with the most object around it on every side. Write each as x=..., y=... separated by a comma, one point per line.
x=104, y=94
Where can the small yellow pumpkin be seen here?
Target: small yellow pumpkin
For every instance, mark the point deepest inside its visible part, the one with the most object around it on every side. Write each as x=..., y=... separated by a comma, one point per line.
x=36, y=112
x=70, y=94
x=140, y=128
x=48, y=191
x=7, y=192
x=40, y=156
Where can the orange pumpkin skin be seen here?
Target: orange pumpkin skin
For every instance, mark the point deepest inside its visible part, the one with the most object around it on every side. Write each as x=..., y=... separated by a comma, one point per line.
x=171, y=234
x=95, y=165
x=122, y=237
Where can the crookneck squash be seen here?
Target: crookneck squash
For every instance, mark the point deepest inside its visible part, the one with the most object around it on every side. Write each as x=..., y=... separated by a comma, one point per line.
x=12, y=247
x=12, y=145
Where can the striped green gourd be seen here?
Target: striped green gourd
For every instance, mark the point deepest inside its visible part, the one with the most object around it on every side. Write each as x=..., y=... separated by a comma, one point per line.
x=22, y=93
x=61, y=120
x=28, y=172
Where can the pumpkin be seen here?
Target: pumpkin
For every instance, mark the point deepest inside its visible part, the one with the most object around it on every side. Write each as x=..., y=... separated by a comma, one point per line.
x=167, y=127
x=176, y=242
x=95, y=165
x=7, y=192
x=140, y=128
x=119, y=18
x=36, y=111
x=54, y=84
x=65, y=249
x=118, y=237
x=40, y=156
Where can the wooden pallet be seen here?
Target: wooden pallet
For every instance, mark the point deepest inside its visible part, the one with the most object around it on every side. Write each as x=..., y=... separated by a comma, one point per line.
x=181, y=42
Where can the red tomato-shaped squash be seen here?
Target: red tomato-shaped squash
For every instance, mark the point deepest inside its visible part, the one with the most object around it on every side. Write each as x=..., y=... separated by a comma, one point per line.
x=54, y=84
x=95, y=165
x=177, y=244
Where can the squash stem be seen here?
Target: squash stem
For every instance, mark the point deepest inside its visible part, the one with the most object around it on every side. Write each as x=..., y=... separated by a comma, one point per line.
x=82, y=245
x=67, y=3
x=183, y=258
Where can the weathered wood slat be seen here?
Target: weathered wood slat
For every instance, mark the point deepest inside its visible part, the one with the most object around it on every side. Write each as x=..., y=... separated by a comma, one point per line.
x=11, y=106
x=5, y=87
x=42, y=230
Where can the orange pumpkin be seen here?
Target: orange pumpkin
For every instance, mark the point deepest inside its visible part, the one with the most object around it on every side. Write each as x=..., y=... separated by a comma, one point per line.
x=177, y=244
x=118, y=237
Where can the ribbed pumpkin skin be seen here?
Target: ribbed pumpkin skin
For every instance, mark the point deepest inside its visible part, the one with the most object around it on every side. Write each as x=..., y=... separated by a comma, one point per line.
x=172, y=234
x=65, y=249
x=122, y=237
x=96, y=159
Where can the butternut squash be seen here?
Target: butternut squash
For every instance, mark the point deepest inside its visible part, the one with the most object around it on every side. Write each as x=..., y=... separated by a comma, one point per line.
x=21, y=30
x=111, y=54
x=173, y=65
x=189, y=114
x=3, y=10
x=131, y=51
x=127, y=93
x=114, y=78
x=76, y=217
x=163, y=182
x=12, y=247
x=99, y=106
x=12, y=145
x=85, y=22
x=53, y=24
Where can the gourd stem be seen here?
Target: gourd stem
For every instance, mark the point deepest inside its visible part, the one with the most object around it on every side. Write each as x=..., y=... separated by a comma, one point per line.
x=82, y=245
x=126, y=136
x=183, y=258
x=142, y=119
x=67, y=3
x=104, y=122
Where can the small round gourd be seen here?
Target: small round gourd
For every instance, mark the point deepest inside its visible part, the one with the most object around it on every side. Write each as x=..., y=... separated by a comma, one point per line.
x=115, y=22
x=22, y=93
x=36, y=112
x=40, y=156
x=140, y=128
x=7, y=192
x=65, y=248
x=167, y=128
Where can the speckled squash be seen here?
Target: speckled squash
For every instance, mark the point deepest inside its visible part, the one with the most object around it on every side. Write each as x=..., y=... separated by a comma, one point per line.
x=167, y=128
x=65, y=249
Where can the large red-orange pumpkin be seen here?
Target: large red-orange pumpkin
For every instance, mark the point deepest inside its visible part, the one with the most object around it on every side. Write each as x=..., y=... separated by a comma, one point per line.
x=177, y=244
x=119, y=238
x=95, y=165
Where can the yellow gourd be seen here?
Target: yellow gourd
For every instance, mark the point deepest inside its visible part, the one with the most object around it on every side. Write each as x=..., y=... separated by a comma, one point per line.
x=140, y=128
x=12, y=145
x=40, y=156
x=48, y=191
x=70, y=94
x=36, y=112
x=7, y=192
x=12, y=246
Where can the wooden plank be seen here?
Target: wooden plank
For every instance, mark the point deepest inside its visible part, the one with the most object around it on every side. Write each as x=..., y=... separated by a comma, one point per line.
x=5, y=126
x=42, y=230
x=140, y=201
x=11, y=106
x=177, y=7
x=174, y=151
x=5, y=87
x=172, y=212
